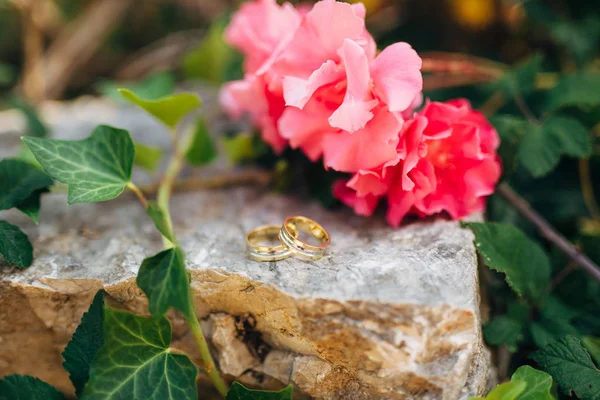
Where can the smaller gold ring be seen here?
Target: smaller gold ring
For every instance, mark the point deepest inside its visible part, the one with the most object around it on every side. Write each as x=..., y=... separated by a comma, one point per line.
x=289, y=237
x=266, y=253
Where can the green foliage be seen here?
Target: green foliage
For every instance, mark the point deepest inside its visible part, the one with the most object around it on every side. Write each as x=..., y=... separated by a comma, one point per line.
x=15, y=246
x=592, y=344
x=538, y=383
x=504, y=330
x=147, y=157
x=84, y=344
x=158, y=217
x=211, y=59
x=136, y=362
x=169, y=110
x=239, y=392
x=542, y=146
x=243, y=147
x=35, y=126
x=506, y=249
x=571, y=366
x=19, y=387
x=519, y=80
x=165, y=281
x=21, y=186
x=505, y=391
x=202, y=149
x=96, y=169
x=152, y=87
x=578, y=90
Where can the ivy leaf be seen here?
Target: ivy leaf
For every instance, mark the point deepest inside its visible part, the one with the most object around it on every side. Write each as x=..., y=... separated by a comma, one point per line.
x=579, y=90
x=538, y=383
x=135, y=362
x=18, y=181
x=15, y=246
x=202, y=150
x=158, y=217
x=592, y=344
x=240, y=392
x=165, y=281
x=84, y=344
x=505, y=391
x=506, y=249
x=243, y=147
x=571, y=366
x=541, y=148
x=31, y=205
x=169, y=110
x=519, y=80
x=210, y=60
x=147, y=157
x=96, y=169
x=20, y=387
x=504, y=330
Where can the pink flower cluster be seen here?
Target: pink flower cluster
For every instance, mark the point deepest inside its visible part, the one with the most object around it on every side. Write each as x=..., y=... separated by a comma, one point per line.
x=314, y=81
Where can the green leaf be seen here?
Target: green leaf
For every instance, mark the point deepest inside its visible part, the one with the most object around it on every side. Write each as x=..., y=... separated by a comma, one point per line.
x=135, y=362
x=538, y=383
x=210, y=60
x=541, y=148
x=505, y=391
x=168, y=110
x=158, y=217
x=202, y=150
x=84, y=344
x=519, y=80
x=508, y=250
x=31, y=205
x=592, y=344
x=147, y=157
x=580, y=90
x=15, y=246
x=239, y=392
x=242, y=147
x=509, y=127
x=18, y=181
x=165, y=281
x=546, y=331
x=152, y=87
x=571, y=366
x=96, y=169
x=504, y=330
x=19, y=387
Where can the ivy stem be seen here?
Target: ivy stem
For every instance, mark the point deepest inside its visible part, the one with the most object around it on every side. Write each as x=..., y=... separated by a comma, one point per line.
x=165, y=188
x=139, y=194
x=209, y=364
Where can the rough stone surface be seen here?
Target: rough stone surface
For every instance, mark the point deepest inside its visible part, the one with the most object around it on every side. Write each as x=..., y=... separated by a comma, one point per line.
x=386, y=314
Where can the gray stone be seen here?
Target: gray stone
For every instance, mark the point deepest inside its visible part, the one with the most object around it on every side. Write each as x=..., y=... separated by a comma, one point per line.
x=386, y=314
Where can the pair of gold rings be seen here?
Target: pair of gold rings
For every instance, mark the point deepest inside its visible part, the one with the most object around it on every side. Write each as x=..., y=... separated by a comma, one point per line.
x=290, y=244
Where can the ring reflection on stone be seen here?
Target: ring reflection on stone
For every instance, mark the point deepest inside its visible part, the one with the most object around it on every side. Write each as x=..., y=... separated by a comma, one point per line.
x=289, y=237
x=262, y=234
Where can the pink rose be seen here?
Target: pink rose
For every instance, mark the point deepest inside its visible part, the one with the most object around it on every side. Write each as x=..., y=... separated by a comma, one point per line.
x=446, y=161
x=320, y=86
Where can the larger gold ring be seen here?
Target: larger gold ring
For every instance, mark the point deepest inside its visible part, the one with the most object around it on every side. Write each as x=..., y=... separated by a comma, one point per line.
x=289, y=237
x=266, y=253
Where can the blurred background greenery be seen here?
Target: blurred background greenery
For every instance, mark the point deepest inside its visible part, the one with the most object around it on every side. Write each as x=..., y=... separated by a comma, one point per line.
x=524, y=63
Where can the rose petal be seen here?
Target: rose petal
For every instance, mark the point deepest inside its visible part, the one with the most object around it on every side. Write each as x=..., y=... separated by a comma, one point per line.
x=396, y=74
x=297, y=91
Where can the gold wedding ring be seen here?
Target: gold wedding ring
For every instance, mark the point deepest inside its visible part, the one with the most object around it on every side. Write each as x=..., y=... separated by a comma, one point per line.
x=259, y=252
x=289, y=237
